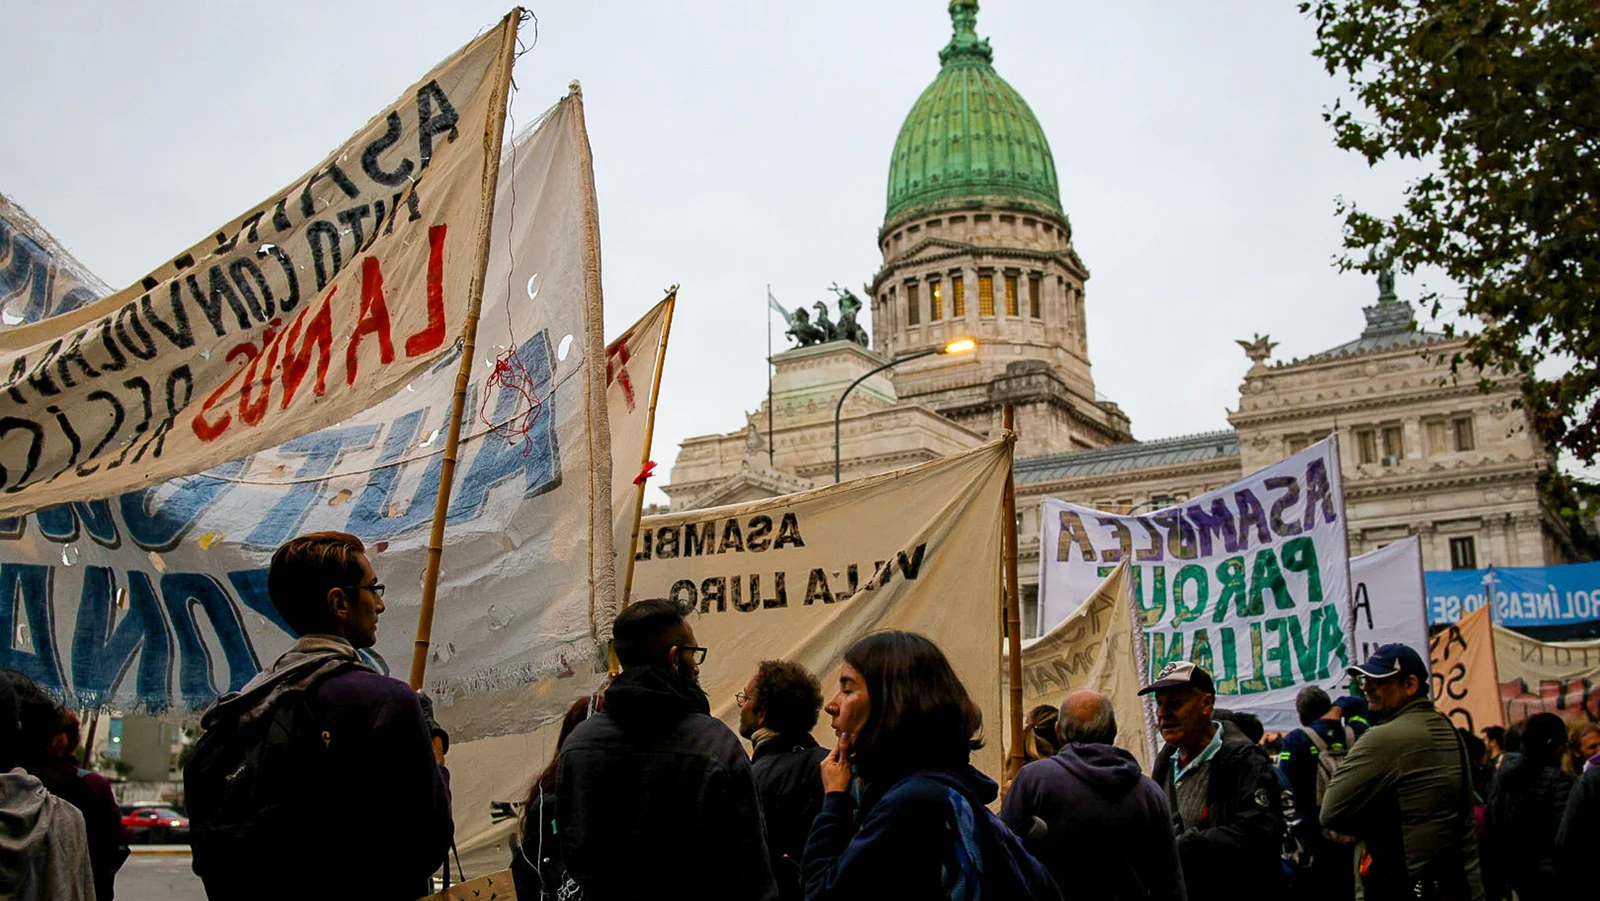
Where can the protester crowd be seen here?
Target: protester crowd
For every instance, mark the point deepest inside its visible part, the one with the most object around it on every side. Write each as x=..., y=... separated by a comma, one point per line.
x=322, y=772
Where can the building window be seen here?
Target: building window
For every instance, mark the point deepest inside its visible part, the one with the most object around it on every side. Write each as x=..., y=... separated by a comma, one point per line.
x=985, y=294
x=958, y=296
x=1367, y=447
x=1438, y=437
x=1011, y=295
x=1463, y=553
x=1394, y=448
x=935, y=301
x=1033, y=296
x=913, y=304
x=1465, y=440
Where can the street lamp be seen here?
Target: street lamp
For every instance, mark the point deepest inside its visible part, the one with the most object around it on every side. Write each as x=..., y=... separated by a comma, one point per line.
x=958, y=346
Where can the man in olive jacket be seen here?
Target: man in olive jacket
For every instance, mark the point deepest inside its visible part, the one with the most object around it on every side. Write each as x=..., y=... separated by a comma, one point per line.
x=1223, y=790
x=1404, y=790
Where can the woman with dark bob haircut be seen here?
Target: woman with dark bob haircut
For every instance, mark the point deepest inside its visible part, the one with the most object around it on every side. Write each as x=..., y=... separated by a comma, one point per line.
x=904, y=812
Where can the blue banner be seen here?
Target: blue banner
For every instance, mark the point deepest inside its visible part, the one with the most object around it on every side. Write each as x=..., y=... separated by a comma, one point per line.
x=1524, y=595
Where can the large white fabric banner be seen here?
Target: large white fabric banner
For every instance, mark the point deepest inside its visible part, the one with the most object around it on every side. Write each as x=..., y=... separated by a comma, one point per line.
x=1390, y=602
x=317, y=303
x=1250, y=581
x=156, y=600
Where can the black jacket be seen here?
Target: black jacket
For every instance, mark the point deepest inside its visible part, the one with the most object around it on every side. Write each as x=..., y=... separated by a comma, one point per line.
x=1237, y=843
x=1579, y=834
x=1526, y=803
x=1110, y=827
x=787, y=770
x=654, y=799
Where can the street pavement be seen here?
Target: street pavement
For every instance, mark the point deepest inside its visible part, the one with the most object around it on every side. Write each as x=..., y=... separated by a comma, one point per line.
x=158, y=877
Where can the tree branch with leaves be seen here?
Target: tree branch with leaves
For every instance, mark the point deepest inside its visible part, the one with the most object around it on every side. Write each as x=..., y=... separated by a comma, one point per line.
x=1500, y=101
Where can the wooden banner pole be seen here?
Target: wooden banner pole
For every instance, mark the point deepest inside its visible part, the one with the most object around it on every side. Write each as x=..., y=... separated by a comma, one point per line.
x=493, y=135
x=1013, y=603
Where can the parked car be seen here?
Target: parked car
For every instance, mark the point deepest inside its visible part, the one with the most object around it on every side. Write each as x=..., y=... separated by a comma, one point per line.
x=154, y=825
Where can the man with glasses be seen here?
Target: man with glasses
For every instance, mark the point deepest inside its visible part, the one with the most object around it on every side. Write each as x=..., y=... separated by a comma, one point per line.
x=1405, y=789
x=654, y=796
x=319, y=765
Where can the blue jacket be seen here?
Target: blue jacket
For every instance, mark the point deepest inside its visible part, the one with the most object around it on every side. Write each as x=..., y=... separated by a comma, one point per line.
x=928, y=836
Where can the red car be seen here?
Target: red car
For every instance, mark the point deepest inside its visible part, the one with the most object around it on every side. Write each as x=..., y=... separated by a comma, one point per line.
x=155, y=825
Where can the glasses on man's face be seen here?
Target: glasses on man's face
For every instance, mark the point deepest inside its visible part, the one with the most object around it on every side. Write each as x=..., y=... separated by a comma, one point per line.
x=696, y=655
x=376, y=588
x=740, y=697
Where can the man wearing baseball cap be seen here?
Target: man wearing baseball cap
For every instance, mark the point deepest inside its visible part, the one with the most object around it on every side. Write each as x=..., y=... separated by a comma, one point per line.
x=1405, y=789
x=1222, y=788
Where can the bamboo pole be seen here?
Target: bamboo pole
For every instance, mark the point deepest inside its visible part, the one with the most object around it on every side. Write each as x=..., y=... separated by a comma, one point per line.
x=492, y=138
x=1013, y=604
x=649, y=436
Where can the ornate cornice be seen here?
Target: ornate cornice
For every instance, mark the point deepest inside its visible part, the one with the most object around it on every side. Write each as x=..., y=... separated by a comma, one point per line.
x=1068, y=258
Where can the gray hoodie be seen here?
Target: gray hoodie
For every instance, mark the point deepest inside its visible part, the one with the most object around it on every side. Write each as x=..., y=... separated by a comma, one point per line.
x=44, y=852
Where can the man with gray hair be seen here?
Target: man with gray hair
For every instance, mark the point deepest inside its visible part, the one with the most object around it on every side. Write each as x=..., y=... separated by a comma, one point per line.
x=1108, y=827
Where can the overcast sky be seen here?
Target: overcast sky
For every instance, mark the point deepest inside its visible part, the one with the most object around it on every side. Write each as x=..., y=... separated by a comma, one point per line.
x=738, y=144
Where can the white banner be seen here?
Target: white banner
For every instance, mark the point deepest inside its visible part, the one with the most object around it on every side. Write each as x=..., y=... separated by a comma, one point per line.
x=633, y=373
x=1250, y=581
x=1390, y=602
x=322, y=300
x=156, y=600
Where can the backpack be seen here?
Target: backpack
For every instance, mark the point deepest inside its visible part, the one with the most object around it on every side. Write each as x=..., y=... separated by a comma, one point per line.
x=1007, y=869
x=1329, y=757
x=252, y=779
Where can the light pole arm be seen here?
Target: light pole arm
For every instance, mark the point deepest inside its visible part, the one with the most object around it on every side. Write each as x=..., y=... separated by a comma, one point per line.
x=839, y=407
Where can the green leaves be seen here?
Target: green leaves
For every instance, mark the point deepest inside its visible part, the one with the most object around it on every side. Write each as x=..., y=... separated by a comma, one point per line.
x=1498, y=98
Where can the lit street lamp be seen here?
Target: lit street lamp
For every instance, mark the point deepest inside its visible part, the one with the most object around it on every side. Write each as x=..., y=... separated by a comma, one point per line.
x=958, y=346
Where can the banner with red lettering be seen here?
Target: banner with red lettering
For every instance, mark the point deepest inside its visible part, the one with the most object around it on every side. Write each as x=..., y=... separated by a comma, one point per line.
x=317, y=303
x=1559, y=677
x=1251, y=581
x=156, y=600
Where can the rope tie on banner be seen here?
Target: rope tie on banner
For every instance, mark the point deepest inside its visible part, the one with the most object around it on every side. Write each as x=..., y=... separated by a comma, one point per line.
x=509, y=371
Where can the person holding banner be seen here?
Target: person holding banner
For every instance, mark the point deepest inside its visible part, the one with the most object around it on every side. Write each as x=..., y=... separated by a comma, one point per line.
x=907, y=727
x=1405, y=790
x=1221, y=786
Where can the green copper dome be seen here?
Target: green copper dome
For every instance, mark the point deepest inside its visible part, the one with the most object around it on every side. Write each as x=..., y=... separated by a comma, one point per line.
x=970, y=137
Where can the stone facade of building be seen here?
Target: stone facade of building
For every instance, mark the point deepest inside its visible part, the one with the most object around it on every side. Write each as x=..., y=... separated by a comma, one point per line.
x=975, y=244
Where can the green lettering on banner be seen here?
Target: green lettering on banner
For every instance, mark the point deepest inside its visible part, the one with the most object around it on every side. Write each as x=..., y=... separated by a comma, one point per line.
x=1300, y=555
x=1257, y=682
x=1228, y=680
x=1161, y=654
x=1330, y=639
x=1182, y=614
x=1200, y=651
x=1305, y=645
x=1279, y=652
x=1151, y=614
x=1230, y=573
x=1267, y=577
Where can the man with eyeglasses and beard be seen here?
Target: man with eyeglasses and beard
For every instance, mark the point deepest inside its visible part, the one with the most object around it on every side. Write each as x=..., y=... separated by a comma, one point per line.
x=1405, y=790
x=319, y=772
x=654, y=796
